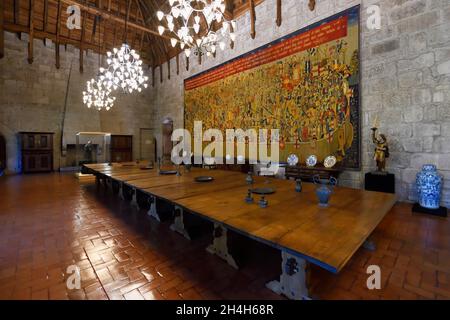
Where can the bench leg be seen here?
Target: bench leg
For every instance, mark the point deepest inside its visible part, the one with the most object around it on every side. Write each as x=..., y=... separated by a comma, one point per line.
x=134, y=199
x=121, y=191
x=152, y=211
x=293, y=279
x=178, y=222
x=107, y=183
x=97, y=181
x=102, y=181
x=370, y=244
x=219, y=246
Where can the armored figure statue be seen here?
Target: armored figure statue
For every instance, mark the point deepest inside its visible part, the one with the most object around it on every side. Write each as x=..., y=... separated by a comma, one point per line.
x=88, y=147
x=381, y=149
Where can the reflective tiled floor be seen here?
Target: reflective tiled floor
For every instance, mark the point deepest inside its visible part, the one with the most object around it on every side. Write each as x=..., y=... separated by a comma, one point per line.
x=51, y=221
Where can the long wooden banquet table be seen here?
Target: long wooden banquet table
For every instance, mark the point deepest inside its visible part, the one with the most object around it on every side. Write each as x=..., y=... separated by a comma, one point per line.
x=293, y=222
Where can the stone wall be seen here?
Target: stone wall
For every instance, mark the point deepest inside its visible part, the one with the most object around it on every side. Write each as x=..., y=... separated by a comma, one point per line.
x=405, y=79
x=32, y=98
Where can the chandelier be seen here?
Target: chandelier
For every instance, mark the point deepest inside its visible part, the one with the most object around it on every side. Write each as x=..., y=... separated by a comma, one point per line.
x=192, y=24
x=124, y=70
x=97, y=95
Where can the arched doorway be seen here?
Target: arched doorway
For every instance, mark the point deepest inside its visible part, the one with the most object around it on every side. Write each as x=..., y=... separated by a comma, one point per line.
x=167, y=144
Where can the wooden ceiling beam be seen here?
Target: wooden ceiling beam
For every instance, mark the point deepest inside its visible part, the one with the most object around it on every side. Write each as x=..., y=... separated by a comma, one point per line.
x=231, y=41
x=31, y=32
x=252, y=18
x=242, y=7
x=2, y=34
x=62, y=40
x=58, y=32
x=115, y=27
x=45, y=23
x=153, y=76
x=107, y=15
x=16, y=11
x=127, y=19
x=141, y=18
x=16, y=14
x=104, y=31
x=157, y=43
x=162, y=45
x=83, y=35
x=279, y=13
x=168, y=68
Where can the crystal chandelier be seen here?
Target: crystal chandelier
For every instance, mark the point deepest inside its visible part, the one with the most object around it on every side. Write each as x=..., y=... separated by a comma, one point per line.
x=97, y=95
x=192, y=24
x=124, y=70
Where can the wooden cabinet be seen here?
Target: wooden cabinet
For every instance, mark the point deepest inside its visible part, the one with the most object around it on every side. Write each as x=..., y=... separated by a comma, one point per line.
x=121, y=148
x=307, y=173
x=37, y=151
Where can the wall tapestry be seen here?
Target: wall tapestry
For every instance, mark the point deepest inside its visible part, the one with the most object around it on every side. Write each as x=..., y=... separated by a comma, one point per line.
x=306, y=84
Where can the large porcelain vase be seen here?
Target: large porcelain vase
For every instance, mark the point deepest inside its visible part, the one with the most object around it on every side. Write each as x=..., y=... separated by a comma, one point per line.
x=429, y=187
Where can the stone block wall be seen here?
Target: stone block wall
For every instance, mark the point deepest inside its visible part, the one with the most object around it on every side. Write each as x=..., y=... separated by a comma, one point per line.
x=32, y=98
x=405, y=79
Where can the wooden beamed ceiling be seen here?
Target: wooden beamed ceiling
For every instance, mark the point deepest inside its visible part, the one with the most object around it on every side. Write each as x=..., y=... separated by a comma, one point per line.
x=105, y=24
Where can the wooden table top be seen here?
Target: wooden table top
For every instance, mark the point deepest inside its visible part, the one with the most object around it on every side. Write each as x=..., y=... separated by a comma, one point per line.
x=156, y=185
x=293, y=221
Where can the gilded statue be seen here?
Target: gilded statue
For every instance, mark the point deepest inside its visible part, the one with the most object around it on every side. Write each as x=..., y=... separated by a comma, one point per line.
x=381, y=148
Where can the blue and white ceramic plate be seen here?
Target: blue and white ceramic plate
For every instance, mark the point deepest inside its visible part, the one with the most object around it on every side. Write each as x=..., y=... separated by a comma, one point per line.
x=311, y=161
x=292, y=160
x=329, y=161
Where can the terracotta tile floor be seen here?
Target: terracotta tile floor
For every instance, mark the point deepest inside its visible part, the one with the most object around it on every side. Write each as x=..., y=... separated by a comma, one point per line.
x=48, y=222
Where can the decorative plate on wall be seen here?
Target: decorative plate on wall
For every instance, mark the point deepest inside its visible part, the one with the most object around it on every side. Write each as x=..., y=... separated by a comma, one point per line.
x=330, y=162
x=292, y=160
x=311, y=161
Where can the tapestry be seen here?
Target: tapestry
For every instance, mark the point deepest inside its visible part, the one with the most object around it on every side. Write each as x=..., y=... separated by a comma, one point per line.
x=305, y=84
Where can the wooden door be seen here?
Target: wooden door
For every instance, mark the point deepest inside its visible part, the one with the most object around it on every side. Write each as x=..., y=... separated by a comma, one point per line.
x=121, y=148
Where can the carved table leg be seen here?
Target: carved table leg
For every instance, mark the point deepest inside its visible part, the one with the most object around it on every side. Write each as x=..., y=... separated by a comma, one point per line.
x=293, y=279
x=220, y=246
x=152, y=211
x=178, y=222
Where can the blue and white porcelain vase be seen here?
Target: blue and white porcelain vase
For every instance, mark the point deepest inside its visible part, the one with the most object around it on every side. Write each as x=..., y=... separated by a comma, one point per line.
x=324, y=189
x=429, y=187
